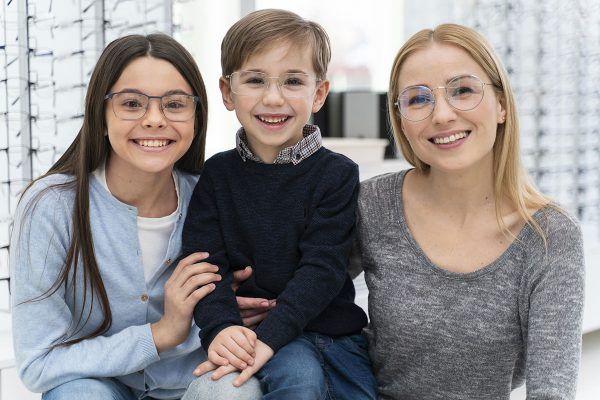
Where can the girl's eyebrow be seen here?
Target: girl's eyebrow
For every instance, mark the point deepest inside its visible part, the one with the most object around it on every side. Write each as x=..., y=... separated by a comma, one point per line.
x=174, y=91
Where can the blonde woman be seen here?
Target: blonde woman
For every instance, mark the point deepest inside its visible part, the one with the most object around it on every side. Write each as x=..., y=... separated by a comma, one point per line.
x=475, y=278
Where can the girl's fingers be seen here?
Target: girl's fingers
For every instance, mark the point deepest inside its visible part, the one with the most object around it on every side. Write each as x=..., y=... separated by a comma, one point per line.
x=194, y=269
x=240, y=276
x=252, y=321
x=200, y=293
x=197, y=281
x=191, y=259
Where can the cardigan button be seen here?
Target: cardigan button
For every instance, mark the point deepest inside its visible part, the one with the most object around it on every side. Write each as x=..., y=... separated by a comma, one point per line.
x=169, y=261
x=144, y=297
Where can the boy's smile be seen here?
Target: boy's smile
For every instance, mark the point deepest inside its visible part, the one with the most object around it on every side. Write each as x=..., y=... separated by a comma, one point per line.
x=271, y=120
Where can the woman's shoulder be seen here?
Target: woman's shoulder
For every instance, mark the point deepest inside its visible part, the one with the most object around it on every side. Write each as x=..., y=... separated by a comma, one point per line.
x=559, y=226
x=559, y=241
x=380, y=200
x=382, y=186
x=557, y=223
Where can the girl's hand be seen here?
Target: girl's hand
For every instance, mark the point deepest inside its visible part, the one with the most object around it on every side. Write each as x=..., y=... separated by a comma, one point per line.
x=253, y=310
x=190, y=281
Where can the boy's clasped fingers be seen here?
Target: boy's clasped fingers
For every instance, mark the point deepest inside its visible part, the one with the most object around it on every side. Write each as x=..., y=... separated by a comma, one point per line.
x=236, y=357
x=263, y=355
x=233, y=345
x=205, y=367
x=220, y=370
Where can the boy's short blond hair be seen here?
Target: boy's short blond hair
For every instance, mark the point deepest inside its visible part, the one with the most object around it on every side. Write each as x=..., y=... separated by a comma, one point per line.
x=261, y=29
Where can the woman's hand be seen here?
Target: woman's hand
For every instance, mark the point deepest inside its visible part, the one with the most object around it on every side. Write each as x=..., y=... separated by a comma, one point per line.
x=253, y=310
x=190, y=281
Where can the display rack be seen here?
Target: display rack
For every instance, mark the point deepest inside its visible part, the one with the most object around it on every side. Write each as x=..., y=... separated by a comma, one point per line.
x=47, y=52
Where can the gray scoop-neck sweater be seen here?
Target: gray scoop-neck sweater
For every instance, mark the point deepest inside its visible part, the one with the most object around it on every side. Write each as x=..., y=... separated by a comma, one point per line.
x=435, y=334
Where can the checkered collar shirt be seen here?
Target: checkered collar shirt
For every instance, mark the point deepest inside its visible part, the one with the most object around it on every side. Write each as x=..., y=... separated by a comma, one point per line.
x=310, y=143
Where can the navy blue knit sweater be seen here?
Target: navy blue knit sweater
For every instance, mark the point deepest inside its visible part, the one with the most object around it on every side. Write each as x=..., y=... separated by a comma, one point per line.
x=294, y=224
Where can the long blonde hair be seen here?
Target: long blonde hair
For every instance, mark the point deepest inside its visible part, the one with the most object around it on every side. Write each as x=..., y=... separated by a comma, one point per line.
x=510, y=178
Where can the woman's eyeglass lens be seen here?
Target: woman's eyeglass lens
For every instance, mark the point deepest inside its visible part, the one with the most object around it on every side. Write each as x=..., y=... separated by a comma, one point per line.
x=464, y=93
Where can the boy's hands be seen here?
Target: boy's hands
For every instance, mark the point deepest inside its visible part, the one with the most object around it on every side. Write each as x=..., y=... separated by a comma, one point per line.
x=233, y=346
x=263, y=354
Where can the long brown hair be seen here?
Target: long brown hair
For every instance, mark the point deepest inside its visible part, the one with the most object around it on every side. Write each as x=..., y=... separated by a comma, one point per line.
x=510, y=178
x=91, y=147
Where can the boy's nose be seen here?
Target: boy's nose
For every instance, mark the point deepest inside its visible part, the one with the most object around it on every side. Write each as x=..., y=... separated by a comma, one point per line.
x=272, y=94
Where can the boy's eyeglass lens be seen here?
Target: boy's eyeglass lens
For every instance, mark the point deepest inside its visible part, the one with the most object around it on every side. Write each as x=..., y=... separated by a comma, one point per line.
x=464, y=93
x=292, y=85
x=132, y=106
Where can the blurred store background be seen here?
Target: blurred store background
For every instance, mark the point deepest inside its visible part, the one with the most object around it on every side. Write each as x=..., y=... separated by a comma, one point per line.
x=551, y=50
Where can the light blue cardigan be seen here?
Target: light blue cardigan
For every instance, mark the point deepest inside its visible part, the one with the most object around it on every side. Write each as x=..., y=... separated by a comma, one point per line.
x=39, y=243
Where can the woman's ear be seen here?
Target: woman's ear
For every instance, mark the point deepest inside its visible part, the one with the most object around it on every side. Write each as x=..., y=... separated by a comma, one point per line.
x=501, y=109
x=226, y=93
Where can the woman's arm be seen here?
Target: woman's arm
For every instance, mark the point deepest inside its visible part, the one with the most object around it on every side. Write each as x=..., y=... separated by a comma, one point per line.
x=555, y=300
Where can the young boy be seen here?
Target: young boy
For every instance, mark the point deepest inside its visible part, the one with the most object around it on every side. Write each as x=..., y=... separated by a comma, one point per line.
x=284, y=205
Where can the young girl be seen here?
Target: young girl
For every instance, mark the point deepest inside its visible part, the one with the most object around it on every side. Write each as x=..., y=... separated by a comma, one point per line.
x=475, y=278
x=100, y=310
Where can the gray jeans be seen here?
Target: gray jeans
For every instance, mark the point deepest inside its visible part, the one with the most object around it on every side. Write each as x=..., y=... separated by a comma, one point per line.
x=204, y=388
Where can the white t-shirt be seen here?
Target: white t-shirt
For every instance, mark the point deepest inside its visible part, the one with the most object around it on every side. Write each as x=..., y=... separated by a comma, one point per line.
x=153, y=233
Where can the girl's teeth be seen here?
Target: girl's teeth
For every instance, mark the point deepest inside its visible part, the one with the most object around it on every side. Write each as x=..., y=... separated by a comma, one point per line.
x=152, y=143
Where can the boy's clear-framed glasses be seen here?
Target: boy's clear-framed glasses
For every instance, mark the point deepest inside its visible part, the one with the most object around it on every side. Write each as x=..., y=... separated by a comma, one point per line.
x=291, y=85
x=463, y=93
x=131, y=106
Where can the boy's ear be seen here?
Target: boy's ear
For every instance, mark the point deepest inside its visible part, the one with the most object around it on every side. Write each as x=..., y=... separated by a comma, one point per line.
x=226, y=93
x=320, y=95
